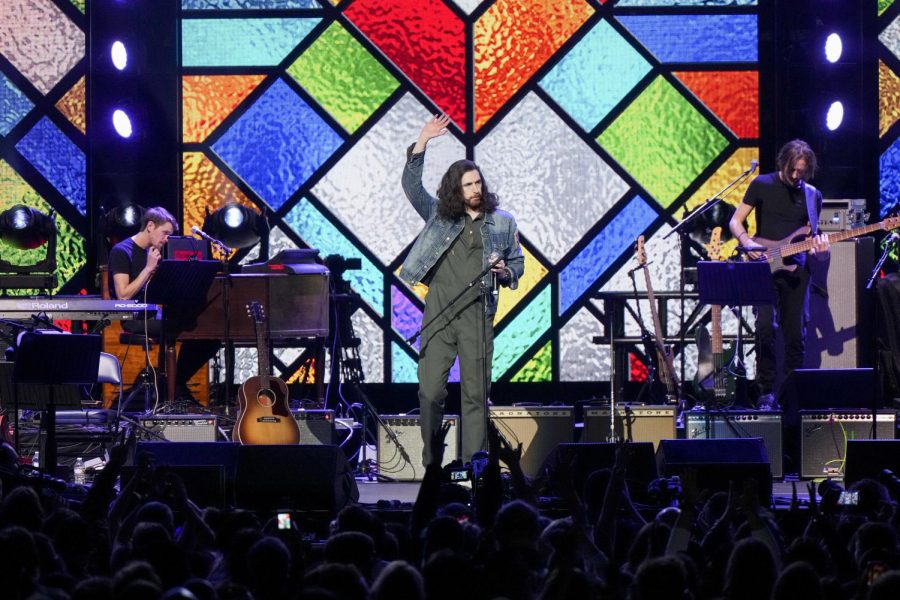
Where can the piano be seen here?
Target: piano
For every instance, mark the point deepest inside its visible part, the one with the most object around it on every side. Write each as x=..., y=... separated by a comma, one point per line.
x=75, y=308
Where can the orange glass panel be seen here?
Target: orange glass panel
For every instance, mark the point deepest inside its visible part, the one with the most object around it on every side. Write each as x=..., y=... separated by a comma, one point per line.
x=72, y=105
x=888, y=98
x=208, y=99
x=513, y=39
x=733, y=96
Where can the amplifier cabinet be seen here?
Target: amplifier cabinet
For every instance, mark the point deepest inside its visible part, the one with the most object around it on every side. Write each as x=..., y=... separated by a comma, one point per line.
x=633, y=423
x=390, y=460
x=741, y=424
x=824, y=436
x=179, y=428
x=316, y=426
x=538, y=429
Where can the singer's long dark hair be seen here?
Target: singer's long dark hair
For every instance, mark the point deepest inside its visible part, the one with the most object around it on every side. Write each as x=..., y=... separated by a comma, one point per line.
x=790, y=153
x=451, y=202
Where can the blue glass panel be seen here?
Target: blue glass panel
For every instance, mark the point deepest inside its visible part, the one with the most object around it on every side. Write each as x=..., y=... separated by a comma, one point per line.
x=405, y=316
x=240, y=42
x=403, y=367
x=246, y=4
x=58, y=159
x=696, y=38
x=687, y=2
x=519, y=335
x=595, y=75
x=889, y=165
x=277, y=144
x=317, y=231
x=617, y=237
x=13, y=105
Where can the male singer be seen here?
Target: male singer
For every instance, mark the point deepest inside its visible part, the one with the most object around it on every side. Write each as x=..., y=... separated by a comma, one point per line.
x=464, y=233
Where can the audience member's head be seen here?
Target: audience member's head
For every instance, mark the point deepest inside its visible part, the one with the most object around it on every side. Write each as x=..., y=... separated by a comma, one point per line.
x=344, y=581
x=661, y=578
x=21, y=506
x=750, y=573
x=798, y=580
x=398, y=579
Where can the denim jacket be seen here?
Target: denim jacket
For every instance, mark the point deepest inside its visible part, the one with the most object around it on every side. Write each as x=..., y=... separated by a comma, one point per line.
x=498, y=232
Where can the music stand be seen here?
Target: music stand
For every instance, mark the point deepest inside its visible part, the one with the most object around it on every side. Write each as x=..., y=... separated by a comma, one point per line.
x=735, y=283
x=181, y=286
x=55, y=359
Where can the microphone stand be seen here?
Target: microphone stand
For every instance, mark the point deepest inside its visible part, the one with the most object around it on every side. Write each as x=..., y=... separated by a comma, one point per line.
x=891, y=240
x=877, y=375
x=485, y=290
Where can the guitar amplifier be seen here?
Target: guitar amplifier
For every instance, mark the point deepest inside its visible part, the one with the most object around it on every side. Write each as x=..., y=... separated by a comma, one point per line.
x=539, y=429
x=178, y=428
x=741, y=424
x=316, y=426
x=824, y=436
x=643, y=424
x=391, y=461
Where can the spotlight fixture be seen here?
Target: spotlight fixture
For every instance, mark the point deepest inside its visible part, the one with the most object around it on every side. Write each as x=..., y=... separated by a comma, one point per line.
x=119, y=55
x=122, y=123
x=236, y=226
x=122, y=221
x=834, y=48
x=835, y=116
x=26, y=228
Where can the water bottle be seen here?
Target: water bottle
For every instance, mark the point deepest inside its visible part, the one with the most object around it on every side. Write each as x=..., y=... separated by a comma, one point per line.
x=36, y=460
x=78, y=471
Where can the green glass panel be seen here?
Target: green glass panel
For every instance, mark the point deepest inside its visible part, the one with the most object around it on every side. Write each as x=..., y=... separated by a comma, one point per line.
x=539, y=368
x=883, y=5
x=663, y=141
x=79, y=4
x=343, y=77
x=521, y=334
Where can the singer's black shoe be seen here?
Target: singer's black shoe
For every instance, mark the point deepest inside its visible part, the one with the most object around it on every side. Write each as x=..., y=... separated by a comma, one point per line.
x=767, y=402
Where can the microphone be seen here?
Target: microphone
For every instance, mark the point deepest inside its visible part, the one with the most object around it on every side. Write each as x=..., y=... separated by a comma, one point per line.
x=892, y=239
x=753, y=165
x=495, y=285
x=197, y=231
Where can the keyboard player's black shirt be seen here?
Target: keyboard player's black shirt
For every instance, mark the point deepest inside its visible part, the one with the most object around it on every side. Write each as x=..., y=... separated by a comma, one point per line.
x=127, y=257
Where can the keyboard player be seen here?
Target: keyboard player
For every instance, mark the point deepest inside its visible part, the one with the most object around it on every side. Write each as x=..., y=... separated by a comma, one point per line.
x=132, y=263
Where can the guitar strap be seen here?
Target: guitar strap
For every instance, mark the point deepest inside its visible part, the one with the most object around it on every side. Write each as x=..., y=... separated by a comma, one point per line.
x=812, y=208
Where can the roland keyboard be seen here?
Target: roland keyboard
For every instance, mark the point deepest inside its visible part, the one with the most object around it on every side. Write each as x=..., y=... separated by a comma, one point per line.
x=78, y=308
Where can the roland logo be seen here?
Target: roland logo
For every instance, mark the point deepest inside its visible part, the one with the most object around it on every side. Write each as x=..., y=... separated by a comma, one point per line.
x=49, y=305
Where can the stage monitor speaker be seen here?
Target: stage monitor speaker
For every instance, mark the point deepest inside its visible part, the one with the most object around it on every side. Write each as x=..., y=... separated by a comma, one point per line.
x=740, y=424
x=643, y=424
x=825, y=434
x=392, y=463
x=585, y=458
x=867, y=459
x=838, y=333
x=178, y=428
x=718, y=462
x=826, y=389
x=304, y=478
x=316, y=426
x=207, y=468
x=538, y=429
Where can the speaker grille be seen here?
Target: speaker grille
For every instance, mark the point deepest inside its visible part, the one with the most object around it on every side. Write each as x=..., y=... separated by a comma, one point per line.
x=179, y=428
x=391, y=461
x=741, y=424
x=538, y=429
x=646, y=423
x=316, y=426
x=824, y=436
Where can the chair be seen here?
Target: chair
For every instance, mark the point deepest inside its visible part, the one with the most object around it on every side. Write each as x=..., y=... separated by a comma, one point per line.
x=146, y=386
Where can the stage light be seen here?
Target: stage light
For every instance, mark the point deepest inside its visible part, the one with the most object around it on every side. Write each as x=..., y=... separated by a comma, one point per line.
x=835, y=116
x=119, y=55
x=834, y=48
x=25, y=228
x=122, y=221
x=236, y=225
x=122, y=123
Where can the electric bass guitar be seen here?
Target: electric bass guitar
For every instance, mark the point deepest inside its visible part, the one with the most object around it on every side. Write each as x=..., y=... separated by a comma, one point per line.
x=798, y=242
x=712, y=360
x=264, y=415
x=665, y=362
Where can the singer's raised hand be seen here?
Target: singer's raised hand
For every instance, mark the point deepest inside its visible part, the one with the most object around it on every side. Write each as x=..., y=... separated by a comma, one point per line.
x=436, y=126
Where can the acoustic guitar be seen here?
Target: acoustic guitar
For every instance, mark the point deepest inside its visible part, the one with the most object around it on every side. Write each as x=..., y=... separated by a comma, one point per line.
x=264, y=415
